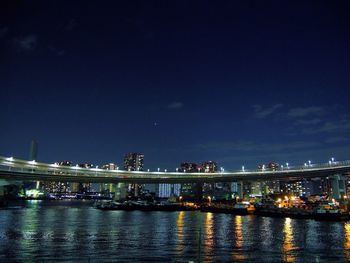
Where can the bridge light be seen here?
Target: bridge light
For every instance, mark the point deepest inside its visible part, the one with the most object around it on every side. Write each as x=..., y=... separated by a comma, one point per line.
x=147, y=170
x=177, y=169
x=263, y=167
x=243, y=168
x=332, y=159
x=305, y=164
x=287, y=164
x=10, y=159
x=330, y=163
x=282, y=167
x=158, y=169
x=309, y=163
x=165, y=170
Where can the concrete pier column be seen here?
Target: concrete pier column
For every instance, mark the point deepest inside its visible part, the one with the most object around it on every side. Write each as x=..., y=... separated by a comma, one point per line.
x=2, y=196
x=338, y=186
x=120, y=191
x=198, y=191
x=2, y=192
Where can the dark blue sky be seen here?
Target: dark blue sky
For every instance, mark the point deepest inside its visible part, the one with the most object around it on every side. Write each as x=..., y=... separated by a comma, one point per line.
x=238, y=82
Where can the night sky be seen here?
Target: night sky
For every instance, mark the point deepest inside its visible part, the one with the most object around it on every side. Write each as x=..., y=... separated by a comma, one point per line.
x=237, y=82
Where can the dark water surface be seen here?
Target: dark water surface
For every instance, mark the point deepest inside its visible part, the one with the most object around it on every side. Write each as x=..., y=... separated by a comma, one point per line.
x=63, y=231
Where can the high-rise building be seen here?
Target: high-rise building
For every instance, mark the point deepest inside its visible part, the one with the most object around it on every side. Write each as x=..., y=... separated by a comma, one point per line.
x=133, y=161
x=187, y=167
x=209, y=167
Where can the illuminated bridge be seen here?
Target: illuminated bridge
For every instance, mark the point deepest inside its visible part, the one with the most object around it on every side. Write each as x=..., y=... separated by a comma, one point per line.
x=12, y=169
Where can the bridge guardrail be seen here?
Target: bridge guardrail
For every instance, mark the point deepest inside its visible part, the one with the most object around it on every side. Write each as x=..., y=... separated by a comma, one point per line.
x=18, y=165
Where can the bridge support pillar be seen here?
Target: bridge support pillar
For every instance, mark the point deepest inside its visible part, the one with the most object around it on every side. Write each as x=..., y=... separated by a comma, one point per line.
x=120, y=191
x=2, y=191
x=198, y=191
x=338, y=186
x=2, y=196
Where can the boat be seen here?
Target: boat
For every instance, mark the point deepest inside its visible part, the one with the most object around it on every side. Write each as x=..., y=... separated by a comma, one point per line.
x=329, y=213
x=143, y=206
x=242, y=208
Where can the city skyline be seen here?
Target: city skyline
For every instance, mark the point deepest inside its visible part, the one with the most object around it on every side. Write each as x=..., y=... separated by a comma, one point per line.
x=237, y=83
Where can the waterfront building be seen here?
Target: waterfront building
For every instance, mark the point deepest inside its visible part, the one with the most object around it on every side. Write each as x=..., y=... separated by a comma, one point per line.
x=85, y=187
x=271, y=187
x=168, y=190
x=107, y=189
x=60, y=187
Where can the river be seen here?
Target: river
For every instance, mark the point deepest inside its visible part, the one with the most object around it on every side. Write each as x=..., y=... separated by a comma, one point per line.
x=72, y=231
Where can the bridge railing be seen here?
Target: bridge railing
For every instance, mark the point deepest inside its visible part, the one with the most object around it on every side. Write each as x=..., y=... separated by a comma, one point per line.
x=24, y=166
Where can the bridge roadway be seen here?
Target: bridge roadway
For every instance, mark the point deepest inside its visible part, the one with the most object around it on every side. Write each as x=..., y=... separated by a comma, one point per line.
x=12, y=169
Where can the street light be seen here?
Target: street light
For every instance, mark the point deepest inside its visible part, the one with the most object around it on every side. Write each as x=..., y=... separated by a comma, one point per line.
x=242, y=168
x=287, y=164
x=158, y=169
x=309, y=163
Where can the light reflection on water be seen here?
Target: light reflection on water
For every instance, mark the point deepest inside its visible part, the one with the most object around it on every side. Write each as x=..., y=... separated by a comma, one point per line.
x=288, y=244
x=237, y=253
x=81, y=233
x=208, y=233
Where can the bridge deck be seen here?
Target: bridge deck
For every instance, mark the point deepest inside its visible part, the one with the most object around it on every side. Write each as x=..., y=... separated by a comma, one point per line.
x=19, y=170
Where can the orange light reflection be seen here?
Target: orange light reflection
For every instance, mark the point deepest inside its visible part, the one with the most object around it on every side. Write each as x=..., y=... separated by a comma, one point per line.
x=288, y=245
x=237, y=252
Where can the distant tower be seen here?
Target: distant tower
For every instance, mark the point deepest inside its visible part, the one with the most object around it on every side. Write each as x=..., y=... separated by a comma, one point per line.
x=33, y=152
x=33, y=155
